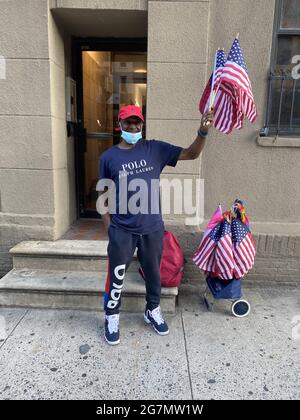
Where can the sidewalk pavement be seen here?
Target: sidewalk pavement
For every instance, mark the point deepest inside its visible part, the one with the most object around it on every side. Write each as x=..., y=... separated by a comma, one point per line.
x=61, y=354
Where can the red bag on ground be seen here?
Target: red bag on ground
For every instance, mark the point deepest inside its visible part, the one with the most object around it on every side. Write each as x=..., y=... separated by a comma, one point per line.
x=172, y=262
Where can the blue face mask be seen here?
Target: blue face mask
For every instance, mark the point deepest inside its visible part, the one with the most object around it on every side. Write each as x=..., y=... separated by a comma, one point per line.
x=131, y=138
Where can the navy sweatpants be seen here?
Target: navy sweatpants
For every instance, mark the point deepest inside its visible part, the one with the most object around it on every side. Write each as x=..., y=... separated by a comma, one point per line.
x=121, y=247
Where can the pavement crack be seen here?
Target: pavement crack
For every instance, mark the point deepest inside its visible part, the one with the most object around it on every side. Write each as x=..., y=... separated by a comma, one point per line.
x=12, y=331
x=187, y=356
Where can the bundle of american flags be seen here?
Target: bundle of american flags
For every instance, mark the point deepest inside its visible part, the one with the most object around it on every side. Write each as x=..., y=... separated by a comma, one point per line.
x=227, y=248
x=229, y=91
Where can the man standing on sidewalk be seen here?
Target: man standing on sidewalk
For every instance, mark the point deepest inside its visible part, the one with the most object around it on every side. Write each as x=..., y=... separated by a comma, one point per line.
x=138, y=159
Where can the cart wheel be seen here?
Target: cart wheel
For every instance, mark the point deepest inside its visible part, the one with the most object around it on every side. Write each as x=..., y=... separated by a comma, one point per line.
x=240, y=308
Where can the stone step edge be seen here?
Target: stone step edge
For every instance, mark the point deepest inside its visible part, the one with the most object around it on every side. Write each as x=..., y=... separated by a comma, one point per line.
x=62, y=248
x=67, y=282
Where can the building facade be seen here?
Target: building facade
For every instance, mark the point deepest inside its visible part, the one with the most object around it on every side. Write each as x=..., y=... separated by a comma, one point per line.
x=159, y=55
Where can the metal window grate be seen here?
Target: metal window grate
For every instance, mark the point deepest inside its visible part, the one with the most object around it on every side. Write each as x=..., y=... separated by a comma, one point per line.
x=283, y=101
x=283, y=116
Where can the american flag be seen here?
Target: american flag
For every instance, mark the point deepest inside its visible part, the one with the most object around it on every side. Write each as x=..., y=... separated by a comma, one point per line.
x=235, y=73
x=224, y=266
x=225, y=109
x=214, y=254
x=220, y=60
x=227, y=248
x=204, y=255
x=243, y=248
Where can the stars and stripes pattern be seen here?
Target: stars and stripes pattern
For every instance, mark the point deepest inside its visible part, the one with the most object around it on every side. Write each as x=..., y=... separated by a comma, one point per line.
x=204, y=254
x=227, y=249
x=224, y=266
x=243, y=247
x=220, y=60
x=235, y=73
x=225, y=108
x=214, y=254
x=214, y=80
x=234, y=98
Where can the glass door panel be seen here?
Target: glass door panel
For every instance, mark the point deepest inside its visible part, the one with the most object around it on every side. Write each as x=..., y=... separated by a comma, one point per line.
x=110, y=80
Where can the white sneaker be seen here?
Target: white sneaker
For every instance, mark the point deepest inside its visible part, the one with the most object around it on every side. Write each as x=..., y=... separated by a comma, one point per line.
x=155, y=318
x=112, y=334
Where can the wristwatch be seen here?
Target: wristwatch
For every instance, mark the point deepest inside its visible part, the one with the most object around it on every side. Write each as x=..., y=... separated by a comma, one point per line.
x=202, y=133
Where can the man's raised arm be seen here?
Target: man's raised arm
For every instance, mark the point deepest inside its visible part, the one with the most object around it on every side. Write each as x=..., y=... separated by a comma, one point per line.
x=194, y=150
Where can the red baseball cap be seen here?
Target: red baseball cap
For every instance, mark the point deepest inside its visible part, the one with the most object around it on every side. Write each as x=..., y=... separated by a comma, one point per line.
x=130, y=111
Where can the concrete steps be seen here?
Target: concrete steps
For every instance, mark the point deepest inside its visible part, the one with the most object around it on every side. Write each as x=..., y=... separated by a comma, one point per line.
x=68, y=255
x=70, y=274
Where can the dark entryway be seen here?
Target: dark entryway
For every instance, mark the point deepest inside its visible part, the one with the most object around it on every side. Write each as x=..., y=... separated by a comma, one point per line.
x=109, y=73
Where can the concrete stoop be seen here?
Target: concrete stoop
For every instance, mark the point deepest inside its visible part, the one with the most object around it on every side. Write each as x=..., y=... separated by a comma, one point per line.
x=69, y=274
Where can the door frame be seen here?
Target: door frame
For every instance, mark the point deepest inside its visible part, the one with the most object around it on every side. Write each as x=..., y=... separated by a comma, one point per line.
x=78, y=46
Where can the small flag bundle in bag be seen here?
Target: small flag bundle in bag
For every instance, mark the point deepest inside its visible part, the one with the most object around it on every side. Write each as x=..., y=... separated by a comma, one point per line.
x=227, y=249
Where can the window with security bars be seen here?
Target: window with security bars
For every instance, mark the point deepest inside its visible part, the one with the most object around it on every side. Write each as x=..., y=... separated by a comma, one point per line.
x=283, y=112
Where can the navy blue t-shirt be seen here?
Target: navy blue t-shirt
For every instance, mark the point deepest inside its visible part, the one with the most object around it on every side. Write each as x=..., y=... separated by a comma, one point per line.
x=139, y=210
